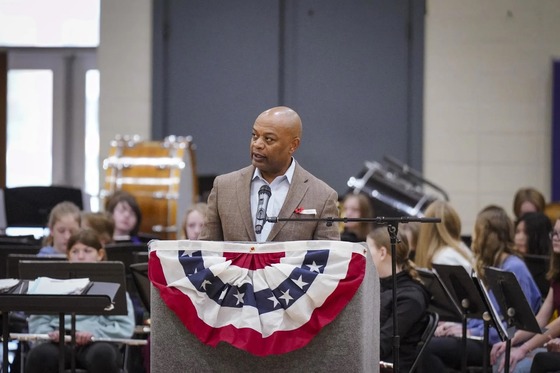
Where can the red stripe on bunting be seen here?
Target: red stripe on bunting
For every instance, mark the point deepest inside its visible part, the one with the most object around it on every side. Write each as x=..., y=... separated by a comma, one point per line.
x=250, y=340
x=253, y=262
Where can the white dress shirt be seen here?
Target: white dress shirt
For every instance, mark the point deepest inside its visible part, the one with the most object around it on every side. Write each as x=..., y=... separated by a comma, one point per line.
x=279, y=190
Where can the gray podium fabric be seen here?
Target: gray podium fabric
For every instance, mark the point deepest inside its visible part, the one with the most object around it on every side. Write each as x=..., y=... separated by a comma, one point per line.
x=349, y=344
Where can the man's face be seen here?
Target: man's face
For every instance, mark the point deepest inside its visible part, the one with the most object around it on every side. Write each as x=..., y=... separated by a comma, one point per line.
x=272, y=146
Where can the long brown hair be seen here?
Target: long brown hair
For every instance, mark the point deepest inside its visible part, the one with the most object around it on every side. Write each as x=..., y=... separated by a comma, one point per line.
x=493, y=236
x=128, y=198
x=366, y=211
x=382, y=239
x=433, y=237
x=528, y=195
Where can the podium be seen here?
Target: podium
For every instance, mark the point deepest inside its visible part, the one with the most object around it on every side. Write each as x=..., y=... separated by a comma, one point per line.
x=349, y=343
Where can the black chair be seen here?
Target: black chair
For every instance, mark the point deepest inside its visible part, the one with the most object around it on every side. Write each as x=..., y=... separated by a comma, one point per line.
x=433, y=319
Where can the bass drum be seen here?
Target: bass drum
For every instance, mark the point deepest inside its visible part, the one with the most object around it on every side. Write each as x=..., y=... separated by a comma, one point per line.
x=160, y=175
x=394, y=189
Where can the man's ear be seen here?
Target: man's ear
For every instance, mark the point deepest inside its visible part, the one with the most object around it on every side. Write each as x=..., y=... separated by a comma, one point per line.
x=294, y=145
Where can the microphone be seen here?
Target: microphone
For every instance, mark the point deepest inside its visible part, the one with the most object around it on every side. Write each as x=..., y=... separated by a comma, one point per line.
x=264, y=196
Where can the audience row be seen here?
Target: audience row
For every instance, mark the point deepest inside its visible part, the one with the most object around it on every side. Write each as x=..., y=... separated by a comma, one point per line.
x=497, y=241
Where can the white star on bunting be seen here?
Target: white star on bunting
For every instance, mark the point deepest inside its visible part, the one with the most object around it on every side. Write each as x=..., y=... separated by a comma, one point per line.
x=286, y=296
x=299, y=282
x=239, y=297
x=314, y=267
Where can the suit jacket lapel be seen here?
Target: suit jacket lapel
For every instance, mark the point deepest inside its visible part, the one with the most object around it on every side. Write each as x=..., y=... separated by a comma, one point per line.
x=295, y=195
x=243, y=192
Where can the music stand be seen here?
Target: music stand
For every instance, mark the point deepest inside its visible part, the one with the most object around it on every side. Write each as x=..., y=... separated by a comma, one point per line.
x=30, y=206
x=140, y=257
x=466, y=294
x=12, y=262
x=124, y=252
x=441, y=302
x=101, y=298
x=99, y=273
x=515, y=309
x=140, y=278
x=6, y=250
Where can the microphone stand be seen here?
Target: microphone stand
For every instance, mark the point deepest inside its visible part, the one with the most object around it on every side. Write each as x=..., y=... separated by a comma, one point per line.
x=392, y=227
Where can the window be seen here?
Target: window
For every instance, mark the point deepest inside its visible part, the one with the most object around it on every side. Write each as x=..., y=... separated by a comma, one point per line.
x=49, y=23
x=30, y=108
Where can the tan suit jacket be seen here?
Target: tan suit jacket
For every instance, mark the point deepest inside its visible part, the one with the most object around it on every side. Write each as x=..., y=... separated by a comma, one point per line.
x=229, y=216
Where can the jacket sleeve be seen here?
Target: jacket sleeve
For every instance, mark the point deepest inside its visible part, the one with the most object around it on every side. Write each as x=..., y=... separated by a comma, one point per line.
x=212, y=230
x=330, y=210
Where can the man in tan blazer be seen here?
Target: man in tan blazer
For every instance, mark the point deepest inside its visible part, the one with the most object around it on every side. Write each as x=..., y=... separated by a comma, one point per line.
x=234, y=197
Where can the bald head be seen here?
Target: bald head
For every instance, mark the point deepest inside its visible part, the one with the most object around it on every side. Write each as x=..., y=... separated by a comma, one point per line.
x=276, y=136
x=283, y=116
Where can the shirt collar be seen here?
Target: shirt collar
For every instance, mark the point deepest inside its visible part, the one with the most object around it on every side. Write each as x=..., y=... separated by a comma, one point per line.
x=289, y=172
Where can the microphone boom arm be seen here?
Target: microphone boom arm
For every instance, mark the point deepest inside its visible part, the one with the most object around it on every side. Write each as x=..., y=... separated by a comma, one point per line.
x=378, y=220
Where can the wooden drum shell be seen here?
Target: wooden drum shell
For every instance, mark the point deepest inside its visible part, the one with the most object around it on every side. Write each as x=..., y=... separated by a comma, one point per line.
x=160, y=175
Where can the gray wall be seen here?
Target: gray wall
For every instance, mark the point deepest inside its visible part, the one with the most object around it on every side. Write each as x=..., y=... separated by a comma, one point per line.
x=352, y=69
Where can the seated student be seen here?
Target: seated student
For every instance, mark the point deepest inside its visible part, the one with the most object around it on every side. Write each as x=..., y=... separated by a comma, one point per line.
x=528, y=200
x=101, y=223
x=532, y=237
x=548, y=362
x=411, y=230
x=493, y=246
x=95, y=357
x=412, y=298
x=125, y=211
x=356, y=206
x=64, y=220
x=532, y=234
x=193, y=221
x=526, y=343
x=441, y=243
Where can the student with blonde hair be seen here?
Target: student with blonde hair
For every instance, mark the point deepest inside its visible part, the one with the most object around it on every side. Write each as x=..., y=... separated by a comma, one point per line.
x=440, y=243
x=64, y=220
x=493, y=246
x=193, y=222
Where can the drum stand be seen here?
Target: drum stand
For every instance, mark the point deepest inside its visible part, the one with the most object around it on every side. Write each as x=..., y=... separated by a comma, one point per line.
x=392, y=227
